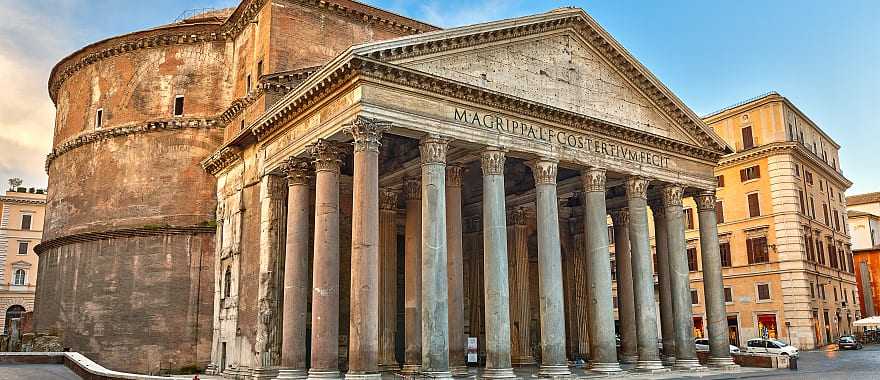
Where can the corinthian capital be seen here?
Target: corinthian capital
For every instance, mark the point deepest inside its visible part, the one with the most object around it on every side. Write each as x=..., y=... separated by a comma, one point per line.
x=387, y=199
x=672, y=195
x=492, y=161
x=327, y=154
x=412, y=188
x=433, y=149
x=594, y=179
x=637, y=187
x=453, y=176
x=544, y=170
x=517, y=216
x=366, y=133
x=657, y=208
x=620, y=217
x=298, y=170
x=705, y=200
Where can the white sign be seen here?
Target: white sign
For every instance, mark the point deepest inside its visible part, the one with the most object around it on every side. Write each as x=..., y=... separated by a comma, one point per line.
x=472, y=349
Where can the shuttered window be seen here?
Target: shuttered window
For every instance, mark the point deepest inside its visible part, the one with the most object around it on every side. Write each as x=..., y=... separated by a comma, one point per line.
x=756, y=248
x=747, y=139
x=719, y=212
x=724, y=249
x=750, y=173
x=689, y=218
x=763, y=292
x=754, y=205
x=692, y=259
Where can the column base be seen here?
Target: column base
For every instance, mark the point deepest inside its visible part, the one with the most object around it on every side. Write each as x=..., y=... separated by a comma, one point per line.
x=650, y=366
x=722, y=363
x=389, y=367
x=264, y=373
x=211, y=369
x=523, y=361
x=498, y=373
x=324, y=374
x=435, y=375
x=668, y=360
x=358, y=376
x=551, y=371
x=688, y=365
x=287, y=373
x=459, y=371
x=629, y=358
x=605, y=367
x=411, y=369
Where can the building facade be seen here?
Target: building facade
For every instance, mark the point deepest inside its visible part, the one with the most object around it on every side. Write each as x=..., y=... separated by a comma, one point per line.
x=21, y=228
x=787, y=261
x=863, y=213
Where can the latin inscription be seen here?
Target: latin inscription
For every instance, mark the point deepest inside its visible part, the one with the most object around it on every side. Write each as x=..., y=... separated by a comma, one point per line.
x=508, y=126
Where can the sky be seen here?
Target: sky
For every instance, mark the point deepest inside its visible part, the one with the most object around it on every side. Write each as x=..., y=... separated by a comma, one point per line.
x=824, y=56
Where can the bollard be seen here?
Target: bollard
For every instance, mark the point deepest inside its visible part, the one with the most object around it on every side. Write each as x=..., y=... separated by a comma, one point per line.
x=792, y=363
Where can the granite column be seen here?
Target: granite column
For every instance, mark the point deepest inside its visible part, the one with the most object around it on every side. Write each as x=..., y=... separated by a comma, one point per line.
x=625, y=299
x=412, y=263
x=387, y=279
x=455, y=271
x=666, y=315
x=518, y=275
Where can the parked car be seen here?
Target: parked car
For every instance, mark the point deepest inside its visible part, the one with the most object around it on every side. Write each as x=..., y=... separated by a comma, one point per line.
x=703, y=345
x=770, y=346
x=848, y=343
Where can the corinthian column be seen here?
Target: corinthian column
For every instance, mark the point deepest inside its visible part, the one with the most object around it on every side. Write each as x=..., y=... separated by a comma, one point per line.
x=679, y=280
x=552, y=307
x=325, y=279
x=296, y=267
x=387, y=279
x=412, y=292
x=625, y=299
x=713, y=283
x=518, y=261
x=435, y=308
x=666, y=315
x=455, y=271
x=498, y=364
x=603, y=348
x=643, y=275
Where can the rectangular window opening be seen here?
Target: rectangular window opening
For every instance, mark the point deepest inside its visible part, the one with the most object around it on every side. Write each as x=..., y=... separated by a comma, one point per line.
x=99, y=118
x=178, y=105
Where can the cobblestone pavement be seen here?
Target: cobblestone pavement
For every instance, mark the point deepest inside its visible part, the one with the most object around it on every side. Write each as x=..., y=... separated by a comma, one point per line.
x=36, y=372
x=825, y=365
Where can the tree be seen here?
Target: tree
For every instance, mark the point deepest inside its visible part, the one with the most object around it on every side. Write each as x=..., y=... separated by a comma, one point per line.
x=15, y=183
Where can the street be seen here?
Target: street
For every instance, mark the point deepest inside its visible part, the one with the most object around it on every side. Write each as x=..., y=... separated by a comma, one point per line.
x=825, y=365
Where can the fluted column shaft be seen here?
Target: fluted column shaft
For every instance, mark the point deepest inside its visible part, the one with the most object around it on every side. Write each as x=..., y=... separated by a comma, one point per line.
x=296, y=267
x=552, y=309
x=625, y=298
x=325, y=279
x=455, y=271
x=518, y=261
x=679, y=280
x=435, y=298
x=412, y=263
x=498, y=363
x=387, y=279
x=643, y=275
x=604, y=350
x=713, y=283
x=666, y=315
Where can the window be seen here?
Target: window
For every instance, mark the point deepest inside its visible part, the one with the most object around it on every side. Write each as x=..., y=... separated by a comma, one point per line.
x=692, y=259
x=808, y=243
x=615, y=301
x=611, y=233
x=178, y=105
x=689, y=218
x=747, y=138
x=835, y=294
x=754, y=205
x=812, y=208
x=248, y=88
x=22, y=248
x=724, y=249
x=825, y=214
x=99, y=118
x=763, y=292
x=836, y=221
x=820, y=252
x=832, y=254
x=13, y=312
x=227, y=282
x=728, y=294
x=613, y=271
x=812, y=290
x=757, y=251
x=695, y=297
x=19, y=278
x=797, y=170
x=240, y=128
x=720, y=180
x=719, y=212
x=260, y=69
x=801, y=201
x=750, y=173
x=26, y=221
x=821, y=185
x=808, y=176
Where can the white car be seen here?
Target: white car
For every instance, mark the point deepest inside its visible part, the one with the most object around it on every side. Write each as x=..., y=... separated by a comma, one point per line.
x=770, y=346
x=703, y=345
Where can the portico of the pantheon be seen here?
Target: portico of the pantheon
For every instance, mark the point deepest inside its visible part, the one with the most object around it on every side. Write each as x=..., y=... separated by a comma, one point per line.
x=489, y=149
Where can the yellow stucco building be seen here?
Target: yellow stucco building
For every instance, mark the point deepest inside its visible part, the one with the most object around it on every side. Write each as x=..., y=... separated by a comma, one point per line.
x=21, y=228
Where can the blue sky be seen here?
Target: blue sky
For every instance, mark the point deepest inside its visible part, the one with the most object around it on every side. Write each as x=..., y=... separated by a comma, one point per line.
x=824, y=56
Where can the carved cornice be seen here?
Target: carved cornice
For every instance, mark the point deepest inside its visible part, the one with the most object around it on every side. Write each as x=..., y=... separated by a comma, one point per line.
x=328, y=155
x=298, y=171
x=150, y=126
x=433, y=150
x=620, y=217
x=387, y=199
x=121, y=234
x=238, y=106
x=544, y=170
x=453, y=175
x=517, y=216
x=637, y=187
x=220, y=160
x=672, y=195
x=705, y=201
x=593, y=179
x=788, y=147
x=366, y=133
x=22, y=201
x=492, y=161
x=412, y=188
x=283, y=82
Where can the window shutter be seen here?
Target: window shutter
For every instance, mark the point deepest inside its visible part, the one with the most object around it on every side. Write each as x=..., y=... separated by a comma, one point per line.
x=754, y=206
x=748, y=141
x=719, y=212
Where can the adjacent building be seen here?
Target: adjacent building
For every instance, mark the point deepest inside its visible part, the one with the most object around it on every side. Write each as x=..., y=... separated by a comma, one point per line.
x=863, y=212
x=21, y=228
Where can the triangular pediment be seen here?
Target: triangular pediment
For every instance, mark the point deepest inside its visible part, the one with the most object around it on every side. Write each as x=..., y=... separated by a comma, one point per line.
x=561, y=59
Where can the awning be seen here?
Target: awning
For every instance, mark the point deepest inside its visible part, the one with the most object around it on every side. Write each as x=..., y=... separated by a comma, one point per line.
x=868, y=322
